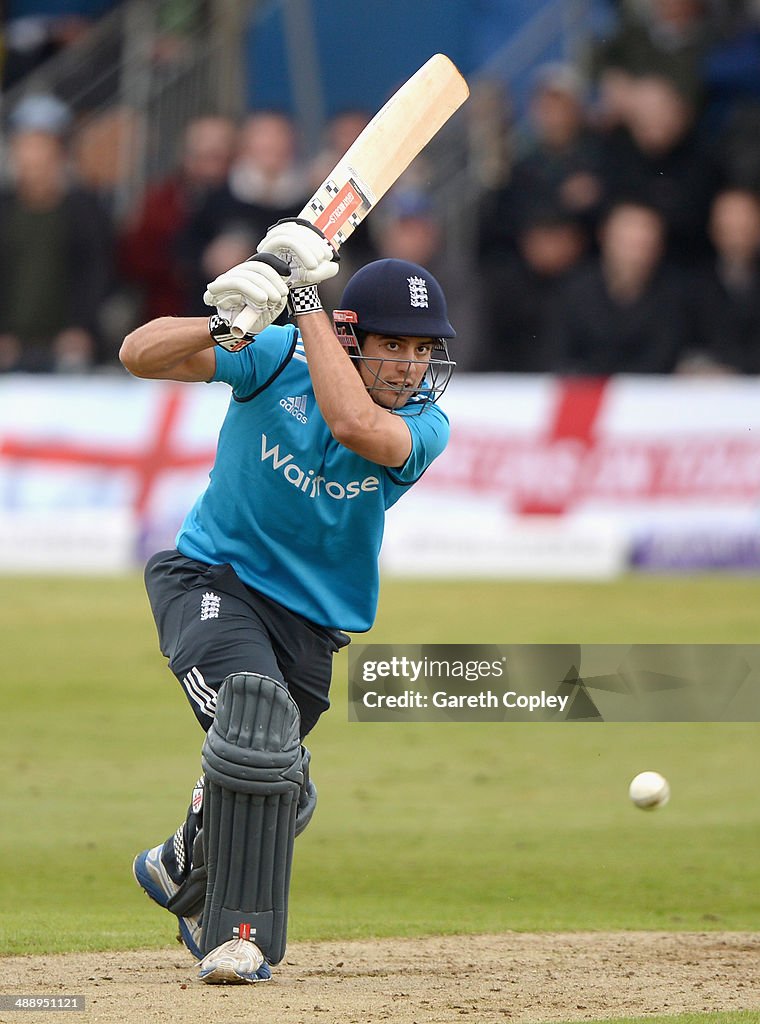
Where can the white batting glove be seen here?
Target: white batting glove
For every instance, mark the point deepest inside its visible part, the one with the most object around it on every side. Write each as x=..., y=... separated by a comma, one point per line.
x=304, y=248
x=257, y=284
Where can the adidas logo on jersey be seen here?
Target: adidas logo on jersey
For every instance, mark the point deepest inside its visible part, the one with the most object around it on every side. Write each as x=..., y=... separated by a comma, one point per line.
x=296, y=407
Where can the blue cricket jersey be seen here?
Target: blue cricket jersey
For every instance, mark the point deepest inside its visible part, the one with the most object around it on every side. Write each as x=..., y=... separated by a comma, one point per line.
x=298, y=516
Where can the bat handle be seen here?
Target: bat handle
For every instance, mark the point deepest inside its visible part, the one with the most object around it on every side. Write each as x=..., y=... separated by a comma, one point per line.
x=243, y=322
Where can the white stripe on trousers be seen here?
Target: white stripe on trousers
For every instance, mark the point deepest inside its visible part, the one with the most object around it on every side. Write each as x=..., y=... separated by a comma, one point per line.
x=199, y=691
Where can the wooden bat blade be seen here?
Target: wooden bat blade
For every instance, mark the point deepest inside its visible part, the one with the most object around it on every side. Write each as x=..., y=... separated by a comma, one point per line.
x=382, y=152
x=397, y=133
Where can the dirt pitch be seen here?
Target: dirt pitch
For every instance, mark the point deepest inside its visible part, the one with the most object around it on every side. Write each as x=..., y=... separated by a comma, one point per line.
x=519, y=978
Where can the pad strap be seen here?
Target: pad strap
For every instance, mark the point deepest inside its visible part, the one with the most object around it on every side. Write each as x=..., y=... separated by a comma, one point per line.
x=189, y=899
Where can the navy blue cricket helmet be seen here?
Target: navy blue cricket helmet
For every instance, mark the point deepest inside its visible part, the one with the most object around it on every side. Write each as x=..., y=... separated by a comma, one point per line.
x=400, y=299
x=397, y=297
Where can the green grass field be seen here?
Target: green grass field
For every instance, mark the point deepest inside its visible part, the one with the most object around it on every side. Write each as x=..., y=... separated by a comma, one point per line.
x=422, y=828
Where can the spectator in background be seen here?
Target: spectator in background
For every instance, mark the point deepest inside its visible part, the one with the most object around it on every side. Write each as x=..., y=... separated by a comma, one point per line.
x=625, y=312
x=41, y=112
x=725, y=299
x=560, y=166
x=55, y=251
x=407, y=226
x=340, y=132
x=659, y=158
x=149, y=247
x=665, y=38
x=231, y=246
x=517, y=291
x=266, y=181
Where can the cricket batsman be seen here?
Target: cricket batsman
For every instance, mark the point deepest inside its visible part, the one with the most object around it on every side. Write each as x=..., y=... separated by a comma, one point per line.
x=327, y=427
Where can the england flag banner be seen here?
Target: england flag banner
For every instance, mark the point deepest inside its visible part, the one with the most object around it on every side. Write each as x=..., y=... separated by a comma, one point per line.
x=543, y=476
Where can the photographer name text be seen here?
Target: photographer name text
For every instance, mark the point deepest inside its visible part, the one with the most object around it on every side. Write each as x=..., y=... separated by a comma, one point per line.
x=485, y=699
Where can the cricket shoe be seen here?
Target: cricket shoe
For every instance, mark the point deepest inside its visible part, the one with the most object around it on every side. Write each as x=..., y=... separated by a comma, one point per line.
x=152, y=876
x=235, y=962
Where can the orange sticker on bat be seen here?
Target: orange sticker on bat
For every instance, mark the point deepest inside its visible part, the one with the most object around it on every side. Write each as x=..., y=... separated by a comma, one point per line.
x=349, y=200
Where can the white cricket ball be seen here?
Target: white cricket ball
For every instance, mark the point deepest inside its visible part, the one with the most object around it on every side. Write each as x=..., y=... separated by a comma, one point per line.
x=649, y=790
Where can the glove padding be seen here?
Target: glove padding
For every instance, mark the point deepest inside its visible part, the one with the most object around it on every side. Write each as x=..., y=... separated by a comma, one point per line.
x=304, y=248
x=258, y=284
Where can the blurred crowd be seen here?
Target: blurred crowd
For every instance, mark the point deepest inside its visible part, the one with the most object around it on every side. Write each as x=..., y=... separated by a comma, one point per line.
x=625, y=234
x=611, y=227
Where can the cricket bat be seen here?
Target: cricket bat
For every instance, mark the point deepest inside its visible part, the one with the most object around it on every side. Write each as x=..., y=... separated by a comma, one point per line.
x=380, y=154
